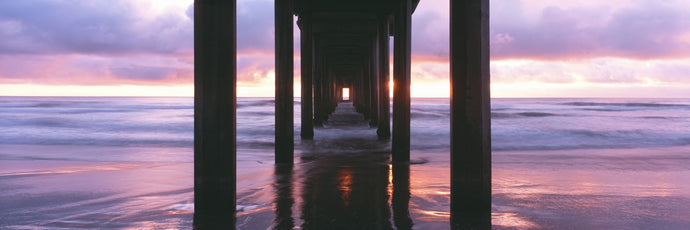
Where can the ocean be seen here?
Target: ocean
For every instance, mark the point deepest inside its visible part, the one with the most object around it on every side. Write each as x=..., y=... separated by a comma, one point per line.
x=127, y=163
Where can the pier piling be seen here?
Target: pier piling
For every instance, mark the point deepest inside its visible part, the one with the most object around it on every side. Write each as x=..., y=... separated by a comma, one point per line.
x=343, y=44
x=470, y=115
x=307, y=68
x=214, y=113
x=401, y=82
x=284, y=136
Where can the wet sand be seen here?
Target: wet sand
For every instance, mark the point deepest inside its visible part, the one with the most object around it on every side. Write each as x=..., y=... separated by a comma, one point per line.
x=47, y=193
x=645, y=188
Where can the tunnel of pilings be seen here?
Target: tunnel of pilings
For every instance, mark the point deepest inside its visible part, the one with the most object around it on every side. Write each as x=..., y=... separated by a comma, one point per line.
x=343, y=45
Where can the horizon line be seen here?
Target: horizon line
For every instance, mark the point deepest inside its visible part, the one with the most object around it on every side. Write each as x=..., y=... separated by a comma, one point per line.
x=163, y=96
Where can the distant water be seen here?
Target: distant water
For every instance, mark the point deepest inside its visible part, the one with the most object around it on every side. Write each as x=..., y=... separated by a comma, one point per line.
x=96, y=162
x=518, y=124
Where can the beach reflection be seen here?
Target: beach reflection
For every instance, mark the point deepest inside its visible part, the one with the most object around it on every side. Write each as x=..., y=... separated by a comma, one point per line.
x=345, y=184
x=612, y=189
x=283, y=199
x=401, y=196
x=353, y=191
x=345, y=192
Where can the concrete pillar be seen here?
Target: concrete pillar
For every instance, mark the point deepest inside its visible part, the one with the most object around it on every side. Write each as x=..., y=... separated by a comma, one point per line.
x=470, y=115
x=339, y=92
x=331, y=92
x=334, y=92
x=214, y=114
x=318, y=87
x=363, y=89
x=284, y=147
x=359, y=86
x=283, y=196
x=401, y=92
x=366, y=90
x=327, y=94
x=323, y=84
x=353, y=90
x=307, y=63
x=401, y=196
x=384, y=129
x=358, y=90
x=374, y=82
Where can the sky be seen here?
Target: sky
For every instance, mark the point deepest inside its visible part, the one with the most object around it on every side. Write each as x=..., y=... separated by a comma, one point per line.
x=539, y=48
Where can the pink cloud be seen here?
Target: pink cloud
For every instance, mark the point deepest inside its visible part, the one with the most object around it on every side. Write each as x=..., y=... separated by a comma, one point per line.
x=642, y=30
x=73, y=69
x=121, y=42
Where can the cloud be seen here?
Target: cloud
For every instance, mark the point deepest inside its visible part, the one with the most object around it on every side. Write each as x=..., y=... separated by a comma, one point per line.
x=253, y=68
x=75, y=69
x=255, y=26
x=430, y=30
x=519, y=28
x=133, y=42
x=119, y=27
x=644, y=29
x=124, y=41
x=190, y=12
x=255, y=31
x=141, y=72
x=91, y=27
x=638, y=30
x=430, y=70
x=608, y=70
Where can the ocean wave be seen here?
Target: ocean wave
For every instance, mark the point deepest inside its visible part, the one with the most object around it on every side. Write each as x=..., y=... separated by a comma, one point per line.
x=252, y=102
x=428, y=114
x=116, y=142
x=571, y=147
x=255, y=113
x=495, y=115
x=655, y=117
x=585, y=139
x=632, y=104
x=530, y=124
x=93, y=105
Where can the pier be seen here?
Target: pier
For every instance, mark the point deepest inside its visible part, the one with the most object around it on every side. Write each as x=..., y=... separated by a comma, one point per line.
x=343, y=44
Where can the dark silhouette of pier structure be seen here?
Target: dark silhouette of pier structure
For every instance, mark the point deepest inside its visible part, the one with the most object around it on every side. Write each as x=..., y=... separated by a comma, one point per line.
x=344, y=44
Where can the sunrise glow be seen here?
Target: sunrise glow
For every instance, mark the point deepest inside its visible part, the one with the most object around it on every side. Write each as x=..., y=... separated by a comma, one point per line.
x=145, y=48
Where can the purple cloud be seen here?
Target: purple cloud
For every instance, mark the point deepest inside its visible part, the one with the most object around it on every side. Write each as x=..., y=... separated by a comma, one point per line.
x=251, y=68
x=90, y=27
x=92, y=38
x=430, y=30
x=255, y=32
x=645, y=30
x=141, y=72
x=89, y=42
x=561, y=31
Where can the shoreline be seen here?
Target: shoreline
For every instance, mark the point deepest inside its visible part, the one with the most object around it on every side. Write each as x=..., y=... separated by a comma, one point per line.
x=610, y=188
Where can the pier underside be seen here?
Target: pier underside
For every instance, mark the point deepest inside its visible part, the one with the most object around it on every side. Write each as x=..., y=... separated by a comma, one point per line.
x=343, y=44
